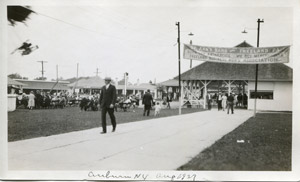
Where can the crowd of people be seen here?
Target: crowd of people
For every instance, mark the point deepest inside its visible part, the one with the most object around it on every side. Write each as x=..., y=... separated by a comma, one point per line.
x=45, y=100
x=227, y=101
x=42, y=100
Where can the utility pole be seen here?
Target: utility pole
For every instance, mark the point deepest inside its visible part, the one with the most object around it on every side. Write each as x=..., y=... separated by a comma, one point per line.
x=97, y=71
x=125, y=83
x=179, y=65
x=56, y=77
x=56, y=80
x=191, y=43
x=74, y=87
x=42, y=68
x=256, y=67
x=77, y=71
x=57, y=72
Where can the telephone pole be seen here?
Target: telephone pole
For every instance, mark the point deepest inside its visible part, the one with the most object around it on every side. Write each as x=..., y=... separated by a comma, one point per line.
x=179, y=65
x=57, y=72
x=256, y=67
x=42, y=68
x=97, y=71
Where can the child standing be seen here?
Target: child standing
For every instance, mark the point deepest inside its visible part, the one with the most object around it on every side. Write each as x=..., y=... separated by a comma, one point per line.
x=157, y=109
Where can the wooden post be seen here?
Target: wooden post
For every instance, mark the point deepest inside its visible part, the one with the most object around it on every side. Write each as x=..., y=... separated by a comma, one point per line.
x=205, y=93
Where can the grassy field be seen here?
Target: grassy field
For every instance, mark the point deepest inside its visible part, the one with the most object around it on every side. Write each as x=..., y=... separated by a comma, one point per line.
x=266, y=147
x=25, y=124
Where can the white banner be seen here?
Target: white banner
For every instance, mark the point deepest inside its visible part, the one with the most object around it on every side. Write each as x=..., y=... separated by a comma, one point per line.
x=239, y=55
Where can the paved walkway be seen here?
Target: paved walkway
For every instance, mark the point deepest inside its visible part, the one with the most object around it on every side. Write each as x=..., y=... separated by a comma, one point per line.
x=157, y=144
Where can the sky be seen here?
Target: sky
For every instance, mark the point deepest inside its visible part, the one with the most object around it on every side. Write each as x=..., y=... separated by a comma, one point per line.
x=137, y=37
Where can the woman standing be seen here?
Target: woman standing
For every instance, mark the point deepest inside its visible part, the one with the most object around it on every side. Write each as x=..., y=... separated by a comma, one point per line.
x=224, y=102
x=31, y=98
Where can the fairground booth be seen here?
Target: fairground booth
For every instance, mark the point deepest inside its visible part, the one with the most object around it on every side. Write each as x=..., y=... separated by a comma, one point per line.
x=88, y=85
x=13, y=88
x=274, y=81
x=42, y=85
x=169, y=87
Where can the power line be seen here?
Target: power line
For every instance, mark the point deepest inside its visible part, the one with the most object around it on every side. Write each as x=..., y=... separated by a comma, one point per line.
x=97, y=71
x=93, y=31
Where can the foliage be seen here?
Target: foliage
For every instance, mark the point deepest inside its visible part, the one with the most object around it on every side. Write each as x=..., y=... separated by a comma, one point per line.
x=40, y=78
x=18, y=14
x=17, y=76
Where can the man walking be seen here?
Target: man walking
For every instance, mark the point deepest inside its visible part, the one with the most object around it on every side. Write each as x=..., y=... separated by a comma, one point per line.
x=169, y=99
x=230, y=100
x=208, y=100
x=219, y=101
x=107, y=103
x=147, y=101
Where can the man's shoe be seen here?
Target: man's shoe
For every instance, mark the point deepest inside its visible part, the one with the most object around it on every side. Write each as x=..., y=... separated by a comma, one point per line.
x=103, y=132
x=114, y=129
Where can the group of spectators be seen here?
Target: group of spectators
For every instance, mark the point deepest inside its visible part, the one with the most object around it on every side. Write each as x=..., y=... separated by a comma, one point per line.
x=227, y=101
x=46, y=100
x=42, y=100
x=125, y=103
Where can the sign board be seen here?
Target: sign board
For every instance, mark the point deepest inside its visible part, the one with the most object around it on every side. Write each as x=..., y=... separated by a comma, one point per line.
x=239, y=55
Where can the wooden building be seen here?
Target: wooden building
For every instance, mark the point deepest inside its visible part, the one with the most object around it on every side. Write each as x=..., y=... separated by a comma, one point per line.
x=274, y=83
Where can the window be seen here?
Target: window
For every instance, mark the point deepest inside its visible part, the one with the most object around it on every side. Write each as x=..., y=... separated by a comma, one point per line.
x=262, y=94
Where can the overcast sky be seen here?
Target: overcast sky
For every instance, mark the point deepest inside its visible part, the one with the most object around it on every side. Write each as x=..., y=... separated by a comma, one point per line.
x=137, y=37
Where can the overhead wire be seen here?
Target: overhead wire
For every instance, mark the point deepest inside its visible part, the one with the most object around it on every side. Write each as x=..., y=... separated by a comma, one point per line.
x=93, y=31
x=137, y=20
x=96, y=32
x=119, y=21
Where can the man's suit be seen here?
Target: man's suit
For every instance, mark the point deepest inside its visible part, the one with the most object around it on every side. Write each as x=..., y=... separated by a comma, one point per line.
x=108, y=97
x=147, y=101
x=230, y=100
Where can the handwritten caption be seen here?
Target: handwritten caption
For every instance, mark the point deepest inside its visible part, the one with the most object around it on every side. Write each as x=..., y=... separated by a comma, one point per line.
x=108, y=175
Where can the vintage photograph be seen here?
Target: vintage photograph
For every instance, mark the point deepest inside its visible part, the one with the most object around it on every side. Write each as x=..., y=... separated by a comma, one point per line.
x=182, y=86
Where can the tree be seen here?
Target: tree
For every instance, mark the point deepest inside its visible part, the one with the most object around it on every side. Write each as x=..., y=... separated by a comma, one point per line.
x=160, y=87
x=40, y=78
x=59, y=79
x=17, y=76
x=18, y=14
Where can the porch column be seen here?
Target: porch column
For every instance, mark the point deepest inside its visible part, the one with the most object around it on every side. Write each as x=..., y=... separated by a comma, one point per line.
x=205, y=93
x=229, y=87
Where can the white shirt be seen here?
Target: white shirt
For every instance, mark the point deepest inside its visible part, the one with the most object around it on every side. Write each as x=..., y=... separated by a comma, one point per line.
x=107, y=86
x=157, y=107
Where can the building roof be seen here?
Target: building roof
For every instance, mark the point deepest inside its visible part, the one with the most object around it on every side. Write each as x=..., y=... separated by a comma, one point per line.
x=170, y=83
x=14, y=82
x=228, y=71
x=142, y=86
x=43, y=85
x=122, y=82
x=225, y=71
x=91, y=82
x=244, y=44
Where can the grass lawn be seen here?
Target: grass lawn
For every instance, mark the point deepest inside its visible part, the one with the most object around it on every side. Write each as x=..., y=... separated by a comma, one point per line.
x=25, y=124
x=267, y=147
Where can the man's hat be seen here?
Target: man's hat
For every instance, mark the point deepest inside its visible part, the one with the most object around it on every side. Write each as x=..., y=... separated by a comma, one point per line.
x=107, y=79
